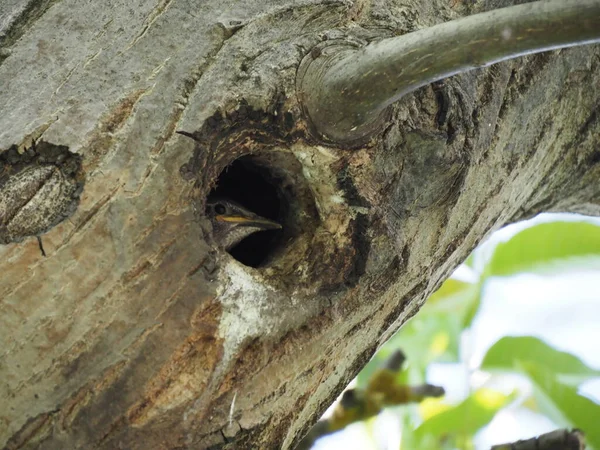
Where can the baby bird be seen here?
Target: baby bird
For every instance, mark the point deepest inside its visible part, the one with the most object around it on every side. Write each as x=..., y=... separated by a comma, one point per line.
x=232, y=222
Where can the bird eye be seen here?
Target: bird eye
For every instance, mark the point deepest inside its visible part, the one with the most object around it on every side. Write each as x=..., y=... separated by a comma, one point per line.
x=220, y=209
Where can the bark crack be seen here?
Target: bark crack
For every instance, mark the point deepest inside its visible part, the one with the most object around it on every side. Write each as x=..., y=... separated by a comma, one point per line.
x=91, y=213
x=32, y=428
x=161, y=7
x=189, y=85
x=67, y=77
x=27, y=18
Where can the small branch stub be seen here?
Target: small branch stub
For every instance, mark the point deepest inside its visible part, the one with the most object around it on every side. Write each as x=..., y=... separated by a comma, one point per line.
x=344, y=90
x=39, y=188
x=555, y=440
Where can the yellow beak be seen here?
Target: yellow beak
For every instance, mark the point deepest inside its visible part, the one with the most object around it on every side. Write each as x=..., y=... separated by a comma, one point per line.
x=259, y=222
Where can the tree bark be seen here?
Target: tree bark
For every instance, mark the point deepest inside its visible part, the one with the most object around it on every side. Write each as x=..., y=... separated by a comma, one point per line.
x=136, y=331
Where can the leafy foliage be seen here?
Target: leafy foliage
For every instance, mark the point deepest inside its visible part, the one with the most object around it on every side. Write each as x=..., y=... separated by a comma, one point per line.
x=563, y=404
x=544, y=246
x=509, y=354
x=436, y=333
x=465, y=419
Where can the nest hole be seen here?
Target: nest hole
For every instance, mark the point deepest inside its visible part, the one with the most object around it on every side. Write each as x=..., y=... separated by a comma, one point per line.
x=250, y=182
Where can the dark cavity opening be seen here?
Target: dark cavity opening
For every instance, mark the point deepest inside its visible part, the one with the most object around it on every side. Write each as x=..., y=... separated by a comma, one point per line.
x=249, y=182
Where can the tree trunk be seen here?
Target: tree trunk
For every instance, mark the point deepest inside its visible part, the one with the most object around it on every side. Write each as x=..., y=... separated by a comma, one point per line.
x=135, y=330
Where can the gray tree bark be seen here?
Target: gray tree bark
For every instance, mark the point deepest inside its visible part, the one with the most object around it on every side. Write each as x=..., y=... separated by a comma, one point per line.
x=135, y=331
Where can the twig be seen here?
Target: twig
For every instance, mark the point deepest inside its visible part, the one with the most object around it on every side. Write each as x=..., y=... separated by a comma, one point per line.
x=39, y=239
x=555, y=440
x=361, y=404
x=344, y=89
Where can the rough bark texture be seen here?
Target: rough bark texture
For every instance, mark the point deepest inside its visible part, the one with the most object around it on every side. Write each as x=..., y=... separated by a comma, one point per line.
x=135, y=331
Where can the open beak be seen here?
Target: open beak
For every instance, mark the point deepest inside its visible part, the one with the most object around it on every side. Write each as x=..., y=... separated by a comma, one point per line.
x=258, y=222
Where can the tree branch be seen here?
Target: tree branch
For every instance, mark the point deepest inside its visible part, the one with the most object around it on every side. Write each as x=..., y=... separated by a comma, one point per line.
x=555, y=440
x=382, y=391
x=344, y=89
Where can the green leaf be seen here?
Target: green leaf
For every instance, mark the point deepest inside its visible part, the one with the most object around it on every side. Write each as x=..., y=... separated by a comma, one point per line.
x=466, y=418
x=472, y=304
x=506, y=354
x=433, y=335
x=542, y=245
x=563, y=405
x=455, y=297
x=442, y=299
x=405, y=416
x=430, y=338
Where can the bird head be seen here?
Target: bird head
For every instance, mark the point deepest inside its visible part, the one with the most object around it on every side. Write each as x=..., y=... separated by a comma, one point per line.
x=232, y=222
